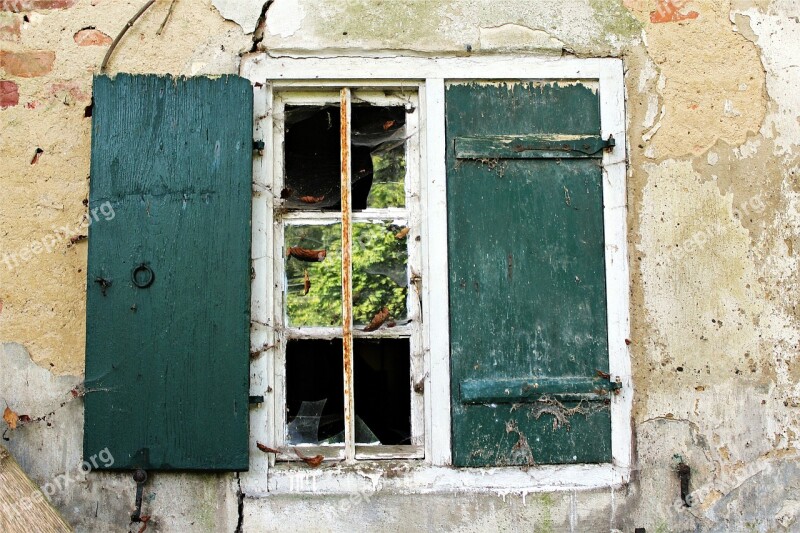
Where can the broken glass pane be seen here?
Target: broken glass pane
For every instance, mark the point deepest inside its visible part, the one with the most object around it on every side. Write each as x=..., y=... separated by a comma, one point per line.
x=380, y=274
x=312, y=157
x=313, y=274
x=382, y=129
x=304, y=427
x=382, y=376
x=314, y=390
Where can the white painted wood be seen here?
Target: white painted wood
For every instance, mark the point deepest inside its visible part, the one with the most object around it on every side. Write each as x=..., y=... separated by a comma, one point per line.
x=417, y=477
x=328, y=333
x=262, y=67
x=436, y=279
x=612, y=116
x=260, y=333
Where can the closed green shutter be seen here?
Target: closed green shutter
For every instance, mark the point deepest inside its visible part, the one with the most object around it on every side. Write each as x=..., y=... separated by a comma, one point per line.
x=168, y=303
x=528, y=328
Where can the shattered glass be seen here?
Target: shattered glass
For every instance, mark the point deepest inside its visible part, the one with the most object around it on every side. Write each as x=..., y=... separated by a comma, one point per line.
x=312, y=161
x=380, y=272
x=304, y=428
x=313, y=287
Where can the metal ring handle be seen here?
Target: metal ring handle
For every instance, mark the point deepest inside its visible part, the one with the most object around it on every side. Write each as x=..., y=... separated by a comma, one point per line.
x=147, y=280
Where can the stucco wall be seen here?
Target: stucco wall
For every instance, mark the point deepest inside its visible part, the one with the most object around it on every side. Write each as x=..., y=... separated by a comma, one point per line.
x=714, y=219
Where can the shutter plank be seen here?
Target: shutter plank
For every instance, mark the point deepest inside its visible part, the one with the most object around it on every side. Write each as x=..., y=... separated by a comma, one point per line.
x=167, y=365
x=527, y=280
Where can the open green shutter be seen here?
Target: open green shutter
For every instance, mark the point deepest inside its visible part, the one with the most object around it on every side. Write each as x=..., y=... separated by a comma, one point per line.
x=528, y=328
x=168, y=303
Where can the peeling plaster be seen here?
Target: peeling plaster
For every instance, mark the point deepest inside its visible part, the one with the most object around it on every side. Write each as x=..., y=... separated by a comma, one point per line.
x=285, y=17
x=777, y=37
x=712, y=79
x=514, y=37
x=245, y=13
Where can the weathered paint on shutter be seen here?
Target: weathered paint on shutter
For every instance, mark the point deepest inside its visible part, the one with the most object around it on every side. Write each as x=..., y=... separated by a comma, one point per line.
x=528, y=323
x=167, y=364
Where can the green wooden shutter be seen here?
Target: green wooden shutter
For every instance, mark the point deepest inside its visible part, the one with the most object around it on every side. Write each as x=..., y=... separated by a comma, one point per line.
x=167, y=362
x=528, y=322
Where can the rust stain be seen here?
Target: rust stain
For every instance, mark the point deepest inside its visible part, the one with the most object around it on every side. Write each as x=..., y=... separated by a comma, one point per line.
x=347, y=269
x=670, y=11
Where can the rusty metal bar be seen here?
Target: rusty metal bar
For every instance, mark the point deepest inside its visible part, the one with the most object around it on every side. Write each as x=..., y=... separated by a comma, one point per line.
x=347, y=281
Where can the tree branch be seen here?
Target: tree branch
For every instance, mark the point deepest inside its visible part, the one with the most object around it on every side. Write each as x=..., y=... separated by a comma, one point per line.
x=122, y=33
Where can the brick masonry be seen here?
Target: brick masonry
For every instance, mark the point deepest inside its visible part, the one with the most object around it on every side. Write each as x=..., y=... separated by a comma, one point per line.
x=28, y=64
x=9, y=94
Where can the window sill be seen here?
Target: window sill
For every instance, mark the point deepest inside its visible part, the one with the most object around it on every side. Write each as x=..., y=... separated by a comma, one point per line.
x=417, y=477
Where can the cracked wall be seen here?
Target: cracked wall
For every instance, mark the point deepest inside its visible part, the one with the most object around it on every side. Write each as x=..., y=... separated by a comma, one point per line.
x=714, y=219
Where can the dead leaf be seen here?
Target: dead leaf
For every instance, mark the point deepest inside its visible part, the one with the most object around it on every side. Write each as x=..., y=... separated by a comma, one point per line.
x=313, y=462
x=388, y=124
x=11, y=418
x=303, y=254
x=306, y=282
x=402, y=233
x=286, y=193
x=266, y=449
x=378, y=320
x=312, y=199
x=604, y=375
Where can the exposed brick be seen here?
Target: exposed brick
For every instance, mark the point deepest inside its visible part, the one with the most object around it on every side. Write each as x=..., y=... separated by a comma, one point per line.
x=670, y=11
x=9, y=27
x=9, y=93
x=69, y=92
x=27, y=64
x=92, y=37
x=18, y=6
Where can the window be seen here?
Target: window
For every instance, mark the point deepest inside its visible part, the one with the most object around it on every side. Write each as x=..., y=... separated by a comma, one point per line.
x=527, y=144
x=350, y=346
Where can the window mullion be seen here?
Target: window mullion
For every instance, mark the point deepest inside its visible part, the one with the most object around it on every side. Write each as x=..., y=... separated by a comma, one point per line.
x=347, y=272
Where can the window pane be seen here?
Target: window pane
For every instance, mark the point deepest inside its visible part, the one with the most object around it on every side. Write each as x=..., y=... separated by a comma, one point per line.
x=313, y=274
x=311, y=157
x=380, y=274
x=380, y=132
x=382, y=373
x=314, y=391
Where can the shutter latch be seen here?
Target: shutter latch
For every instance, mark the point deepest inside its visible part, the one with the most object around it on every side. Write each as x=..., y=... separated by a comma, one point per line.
x=613, y=386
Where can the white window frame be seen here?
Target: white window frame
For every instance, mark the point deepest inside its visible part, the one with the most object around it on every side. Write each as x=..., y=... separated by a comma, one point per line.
x=409, y=216
x=434, y=473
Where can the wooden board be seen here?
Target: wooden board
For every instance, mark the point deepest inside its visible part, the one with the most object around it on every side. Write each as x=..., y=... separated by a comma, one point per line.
x=167, y=364
x=526, y=277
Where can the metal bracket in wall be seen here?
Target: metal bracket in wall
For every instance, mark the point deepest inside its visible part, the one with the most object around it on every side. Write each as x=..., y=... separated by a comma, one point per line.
x=140, y=477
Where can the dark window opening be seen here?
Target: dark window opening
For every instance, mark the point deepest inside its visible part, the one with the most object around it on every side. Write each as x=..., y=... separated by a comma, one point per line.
x=315, y=396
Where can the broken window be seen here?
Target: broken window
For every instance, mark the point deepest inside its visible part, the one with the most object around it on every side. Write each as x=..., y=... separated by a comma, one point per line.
x=347, y=226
